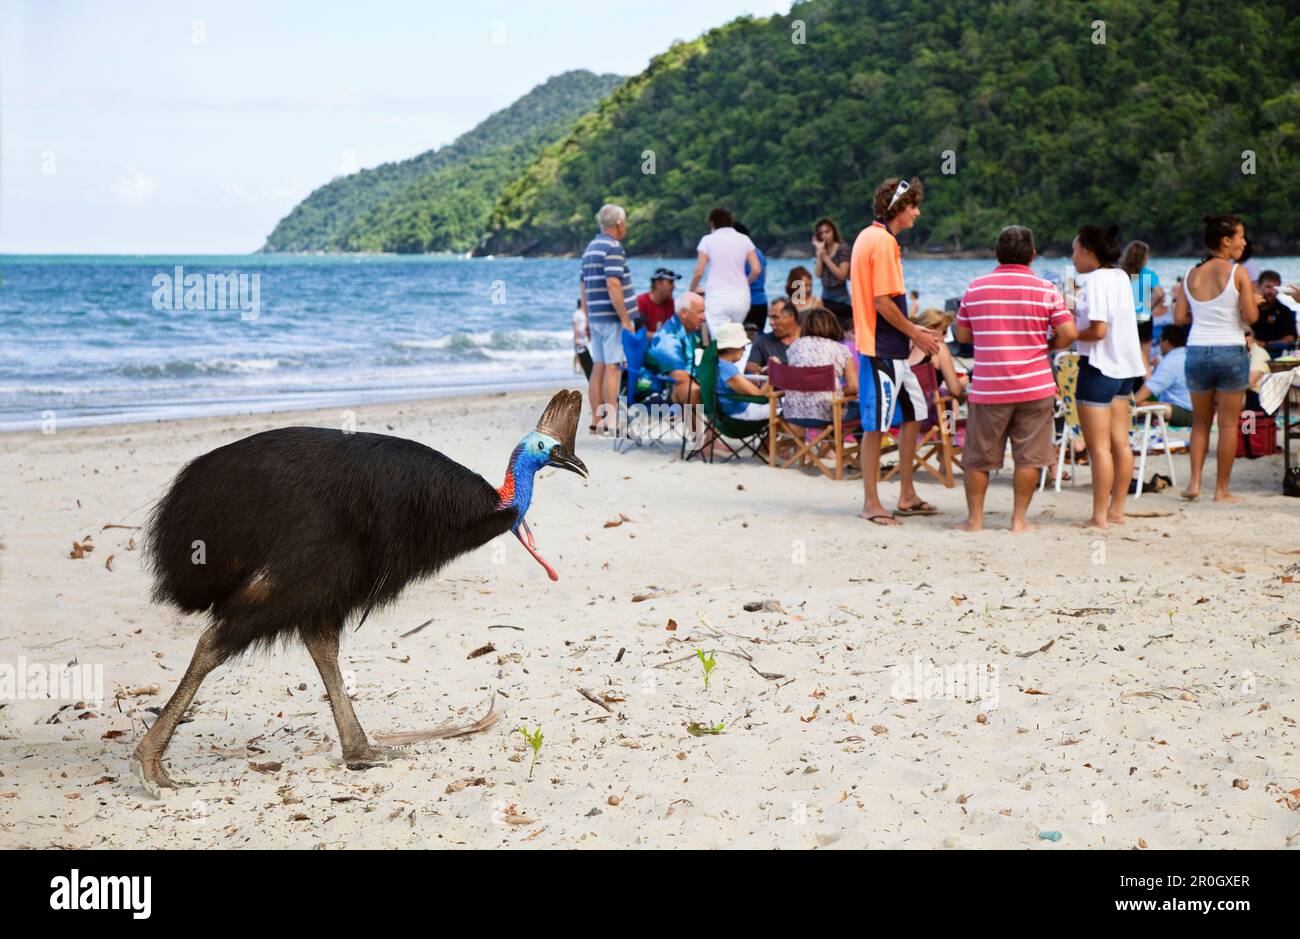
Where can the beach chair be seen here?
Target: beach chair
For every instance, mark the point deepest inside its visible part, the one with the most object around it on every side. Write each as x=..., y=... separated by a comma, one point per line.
x=1147, y=442
x=814, y=442
x=1066, y=366
x=719, y=427
x=938, y=445
x=645, y=389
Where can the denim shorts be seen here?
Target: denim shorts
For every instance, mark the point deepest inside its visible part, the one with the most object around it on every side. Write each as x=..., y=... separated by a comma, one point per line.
x=1217, y=368
x=1098, y=389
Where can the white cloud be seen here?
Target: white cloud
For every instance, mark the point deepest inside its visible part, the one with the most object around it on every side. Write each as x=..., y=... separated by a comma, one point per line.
x=134, y=189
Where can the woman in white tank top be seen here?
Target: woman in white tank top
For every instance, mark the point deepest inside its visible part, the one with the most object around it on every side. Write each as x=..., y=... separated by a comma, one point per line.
x=1218, y=299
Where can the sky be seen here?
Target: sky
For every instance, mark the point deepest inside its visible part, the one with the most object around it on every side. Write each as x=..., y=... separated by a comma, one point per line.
x=187, y=127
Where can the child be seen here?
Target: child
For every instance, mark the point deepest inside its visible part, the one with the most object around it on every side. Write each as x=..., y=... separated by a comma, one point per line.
x=937, y=322
x=581, y=335
x=732, y=340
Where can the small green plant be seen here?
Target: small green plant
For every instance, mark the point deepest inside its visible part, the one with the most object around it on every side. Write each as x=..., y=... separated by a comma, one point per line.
x=708, y=662
x=1170, y=614
x=700, y=730
x=535, y=743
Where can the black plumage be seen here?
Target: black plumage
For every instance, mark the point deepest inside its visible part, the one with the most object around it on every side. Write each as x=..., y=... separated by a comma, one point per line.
x=288, y=547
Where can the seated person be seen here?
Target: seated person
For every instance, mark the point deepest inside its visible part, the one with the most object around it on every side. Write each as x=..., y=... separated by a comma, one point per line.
x=774, y=345
x=1259, y=359
x=1275, y=329
x=656, y=307
x=821, y=342
x=1168, y=383
x=672, y=350
x=731, y=341
x=937, y=322
x=799, y=289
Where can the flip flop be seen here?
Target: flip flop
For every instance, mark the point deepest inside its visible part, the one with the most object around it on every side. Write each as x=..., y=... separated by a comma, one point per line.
x=876, y=520
x=921, y=508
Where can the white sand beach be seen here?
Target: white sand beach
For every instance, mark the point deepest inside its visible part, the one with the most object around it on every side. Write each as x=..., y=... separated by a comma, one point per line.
x=1140, y=686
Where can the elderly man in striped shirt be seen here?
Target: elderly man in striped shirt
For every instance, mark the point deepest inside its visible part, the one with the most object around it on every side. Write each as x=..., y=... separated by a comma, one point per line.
x=1013, y=317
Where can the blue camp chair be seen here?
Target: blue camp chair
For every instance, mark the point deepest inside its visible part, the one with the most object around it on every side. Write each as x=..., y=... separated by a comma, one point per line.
x=645, y=387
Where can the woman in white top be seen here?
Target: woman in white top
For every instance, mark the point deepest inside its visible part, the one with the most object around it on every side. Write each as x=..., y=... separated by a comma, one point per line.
x=1219, y=300
x=1110, y=368
x=725, y=252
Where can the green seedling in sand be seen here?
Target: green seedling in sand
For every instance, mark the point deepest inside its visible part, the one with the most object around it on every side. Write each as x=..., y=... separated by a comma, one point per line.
x=535, y=743
x=708, y=662
x=701, y=730
x=1170, y=614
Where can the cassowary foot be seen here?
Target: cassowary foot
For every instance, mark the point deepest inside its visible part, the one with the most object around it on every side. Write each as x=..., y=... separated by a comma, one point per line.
x=372, y=756
x=154, y=778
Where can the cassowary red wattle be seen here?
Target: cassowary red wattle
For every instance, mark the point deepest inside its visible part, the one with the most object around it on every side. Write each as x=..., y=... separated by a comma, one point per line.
x=296, y=531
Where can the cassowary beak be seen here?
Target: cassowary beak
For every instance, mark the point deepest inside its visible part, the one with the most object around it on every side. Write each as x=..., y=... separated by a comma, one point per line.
x=562, y=458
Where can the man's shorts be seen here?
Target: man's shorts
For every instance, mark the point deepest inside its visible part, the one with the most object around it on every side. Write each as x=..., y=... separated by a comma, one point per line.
x=606, y=341
x=1027, y=424
x=887, y=388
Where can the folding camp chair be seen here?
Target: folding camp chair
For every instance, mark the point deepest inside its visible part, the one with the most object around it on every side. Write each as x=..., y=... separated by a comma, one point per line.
x=646, y=389
x=1067, y=413
x=827, y=438
x=719, y=427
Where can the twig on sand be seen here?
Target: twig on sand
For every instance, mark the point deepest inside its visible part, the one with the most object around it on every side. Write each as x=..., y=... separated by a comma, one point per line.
x=412, y=632
x=1085, y=611
x=448, y=729
x=595, y=700
x=114, y=525
x=1025, y=655
x=687, y=658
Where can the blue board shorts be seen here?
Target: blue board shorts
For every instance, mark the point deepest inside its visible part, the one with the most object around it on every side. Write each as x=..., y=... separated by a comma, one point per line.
x=1217, y=368
x=606, y=341
x=1099, y=389
x=888, y=393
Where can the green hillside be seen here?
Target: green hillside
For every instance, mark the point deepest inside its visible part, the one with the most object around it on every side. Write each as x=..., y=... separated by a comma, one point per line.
x=439, y=200
x=1049, y=128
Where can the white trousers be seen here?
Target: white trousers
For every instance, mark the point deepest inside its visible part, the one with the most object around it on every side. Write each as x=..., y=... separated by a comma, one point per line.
x=725, y=306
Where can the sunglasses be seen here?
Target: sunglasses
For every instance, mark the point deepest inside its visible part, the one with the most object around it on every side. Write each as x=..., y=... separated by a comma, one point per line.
x=902, y=188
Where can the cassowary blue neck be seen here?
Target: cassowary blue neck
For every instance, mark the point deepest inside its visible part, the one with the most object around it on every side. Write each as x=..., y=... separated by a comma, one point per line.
x=517, y=490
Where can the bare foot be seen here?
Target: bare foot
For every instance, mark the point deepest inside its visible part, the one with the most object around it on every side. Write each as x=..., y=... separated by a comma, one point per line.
x=1227, y=497
x=1117, y=519
x=1022, y=528
x=968, y=526
x=1102, y=524
x=1190, y=494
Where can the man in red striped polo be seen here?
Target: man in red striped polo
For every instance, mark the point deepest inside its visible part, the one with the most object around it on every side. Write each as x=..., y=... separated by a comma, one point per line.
x=1008, y=314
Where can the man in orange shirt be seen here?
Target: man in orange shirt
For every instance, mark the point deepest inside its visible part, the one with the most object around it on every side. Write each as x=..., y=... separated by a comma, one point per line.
x=884, y=336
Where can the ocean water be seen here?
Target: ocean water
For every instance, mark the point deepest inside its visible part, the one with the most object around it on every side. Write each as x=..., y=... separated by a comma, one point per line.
x=106, y=339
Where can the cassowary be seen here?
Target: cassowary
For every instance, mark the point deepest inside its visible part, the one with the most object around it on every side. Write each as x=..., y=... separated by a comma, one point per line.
x=293, y=531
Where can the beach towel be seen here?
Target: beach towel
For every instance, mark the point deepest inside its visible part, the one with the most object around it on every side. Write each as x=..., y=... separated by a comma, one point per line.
x=1274, y=387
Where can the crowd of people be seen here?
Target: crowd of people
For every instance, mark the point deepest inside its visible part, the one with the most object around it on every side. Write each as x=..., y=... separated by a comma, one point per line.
x=1199, y=351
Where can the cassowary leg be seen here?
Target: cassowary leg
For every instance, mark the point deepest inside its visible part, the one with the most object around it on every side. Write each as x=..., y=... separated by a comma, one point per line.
x=324, y=651
x=147, y=758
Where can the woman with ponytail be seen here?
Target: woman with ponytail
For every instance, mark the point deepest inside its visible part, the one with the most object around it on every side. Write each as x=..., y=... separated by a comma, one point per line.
x=1110, y=368
x=1218, y=299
